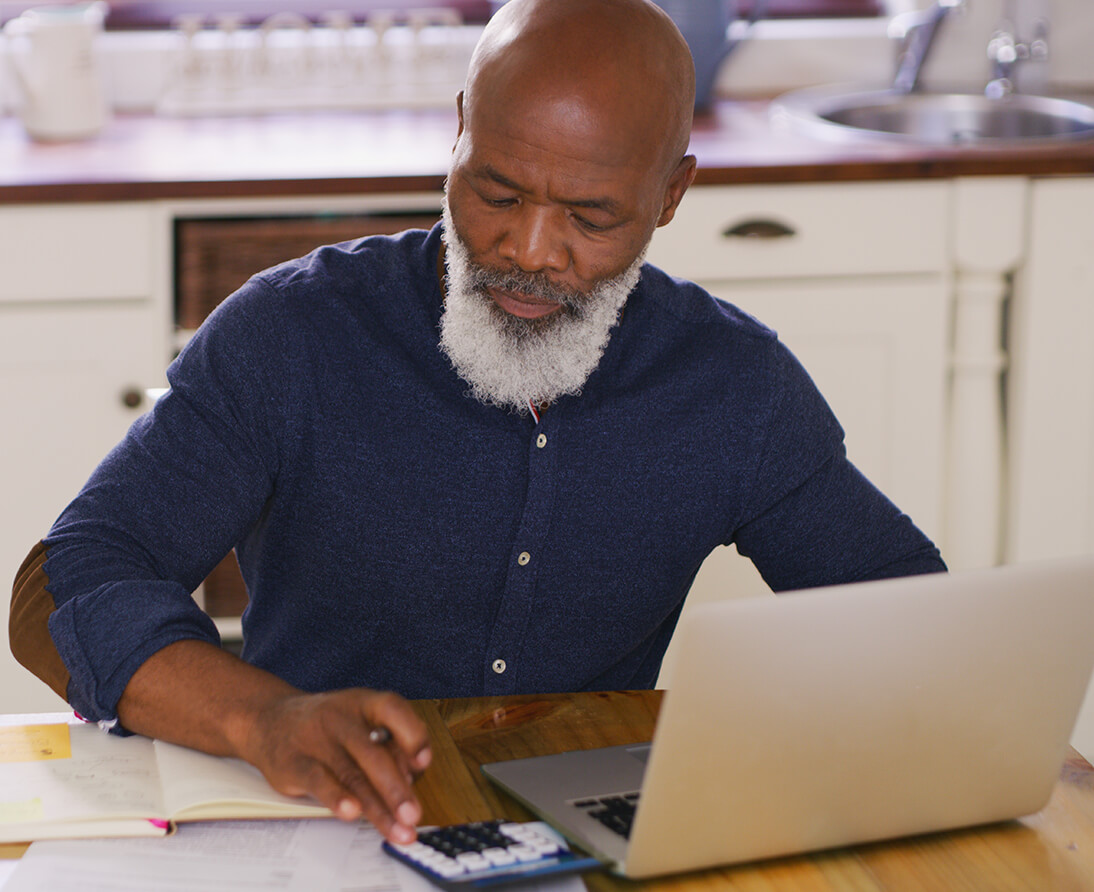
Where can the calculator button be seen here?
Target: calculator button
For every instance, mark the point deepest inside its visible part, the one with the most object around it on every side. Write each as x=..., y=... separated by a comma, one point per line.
x=449, y=869
x=472, y=860
x=433, y=858
x=498, y=856
x=523, y=852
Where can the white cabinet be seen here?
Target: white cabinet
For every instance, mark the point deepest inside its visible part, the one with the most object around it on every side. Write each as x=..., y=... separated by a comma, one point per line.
x=79, y=333
x=855, y=278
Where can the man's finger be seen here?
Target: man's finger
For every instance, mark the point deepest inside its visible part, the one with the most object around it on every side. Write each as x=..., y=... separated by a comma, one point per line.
x=372, y=786
x=384, y=770
x=393, y=714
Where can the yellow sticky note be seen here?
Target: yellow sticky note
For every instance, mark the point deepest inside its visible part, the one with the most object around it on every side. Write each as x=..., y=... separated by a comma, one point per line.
x=33, y=743
x=21, y=812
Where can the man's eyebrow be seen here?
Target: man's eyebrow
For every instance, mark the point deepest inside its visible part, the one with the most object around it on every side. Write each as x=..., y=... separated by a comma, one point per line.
x=605, y=204
x=501, y=179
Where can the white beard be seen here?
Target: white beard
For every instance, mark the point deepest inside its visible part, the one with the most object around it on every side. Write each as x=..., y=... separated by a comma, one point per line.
x=509, y=361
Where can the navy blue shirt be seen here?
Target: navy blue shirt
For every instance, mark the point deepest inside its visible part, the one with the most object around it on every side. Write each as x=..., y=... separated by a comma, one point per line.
x=396, y=533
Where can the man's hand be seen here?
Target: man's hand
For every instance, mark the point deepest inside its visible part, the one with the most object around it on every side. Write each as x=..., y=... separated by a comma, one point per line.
x=197, y=695
x=322, y=744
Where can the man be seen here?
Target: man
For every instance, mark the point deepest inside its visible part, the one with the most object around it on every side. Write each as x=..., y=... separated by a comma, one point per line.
x=488, y=466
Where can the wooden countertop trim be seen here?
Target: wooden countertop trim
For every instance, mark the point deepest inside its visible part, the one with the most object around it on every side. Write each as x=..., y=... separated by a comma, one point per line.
x=41, y=193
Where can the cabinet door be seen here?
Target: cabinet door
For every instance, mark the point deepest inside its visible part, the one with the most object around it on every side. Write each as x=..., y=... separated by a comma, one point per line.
x=76, y=252
x=1051, y=394
x=66, y=374
x=79, y=332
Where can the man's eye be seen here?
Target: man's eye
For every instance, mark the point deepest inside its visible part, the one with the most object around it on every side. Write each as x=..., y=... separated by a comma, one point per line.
x=499, y=202
x=587, y=224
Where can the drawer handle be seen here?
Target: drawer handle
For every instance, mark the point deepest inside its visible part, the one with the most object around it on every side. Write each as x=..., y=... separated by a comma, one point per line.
x=132, y=397
x=760, y=229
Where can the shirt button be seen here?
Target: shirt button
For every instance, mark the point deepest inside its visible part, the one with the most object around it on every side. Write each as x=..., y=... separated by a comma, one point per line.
x=541, y=440
x=498, y=666
x=523, y=558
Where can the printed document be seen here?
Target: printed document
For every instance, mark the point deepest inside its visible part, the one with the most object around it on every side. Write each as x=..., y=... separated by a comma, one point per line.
x=230, y=856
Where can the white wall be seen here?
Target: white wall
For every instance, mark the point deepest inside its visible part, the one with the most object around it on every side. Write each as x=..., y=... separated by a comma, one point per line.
x=1071, y=40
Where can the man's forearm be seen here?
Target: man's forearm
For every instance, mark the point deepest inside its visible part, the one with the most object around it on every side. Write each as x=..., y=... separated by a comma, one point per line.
x=198, y=695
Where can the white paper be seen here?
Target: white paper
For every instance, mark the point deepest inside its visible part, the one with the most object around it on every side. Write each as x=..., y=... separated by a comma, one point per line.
x=230, y=856
x=216, y=857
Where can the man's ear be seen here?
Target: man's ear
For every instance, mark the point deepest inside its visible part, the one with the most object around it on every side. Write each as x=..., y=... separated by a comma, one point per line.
x=681, y=178
x=459, y=115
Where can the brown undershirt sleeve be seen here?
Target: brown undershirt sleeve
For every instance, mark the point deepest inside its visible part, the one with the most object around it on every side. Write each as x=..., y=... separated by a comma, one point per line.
x=28, y=629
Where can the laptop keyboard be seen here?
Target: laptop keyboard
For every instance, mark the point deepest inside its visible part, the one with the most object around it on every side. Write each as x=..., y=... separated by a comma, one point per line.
x=615, y=812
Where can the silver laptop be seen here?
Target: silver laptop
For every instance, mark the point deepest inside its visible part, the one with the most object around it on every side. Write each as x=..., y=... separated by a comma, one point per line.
x=838, y=716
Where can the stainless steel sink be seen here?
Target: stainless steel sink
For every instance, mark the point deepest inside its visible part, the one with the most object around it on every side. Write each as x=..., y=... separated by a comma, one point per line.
x=940, y=119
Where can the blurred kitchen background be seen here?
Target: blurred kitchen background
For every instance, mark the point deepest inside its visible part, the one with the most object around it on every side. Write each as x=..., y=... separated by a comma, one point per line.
x=226, y=56
x=937, y=281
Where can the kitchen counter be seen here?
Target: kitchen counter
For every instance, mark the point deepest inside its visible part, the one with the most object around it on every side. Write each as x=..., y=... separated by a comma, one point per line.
x=147, y=157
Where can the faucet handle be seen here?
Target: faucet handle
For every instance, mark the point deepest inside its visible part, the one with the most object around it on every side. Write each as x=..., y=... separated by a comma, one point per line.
x=1038, y=43
x=1003, y=49
x=1003, y=53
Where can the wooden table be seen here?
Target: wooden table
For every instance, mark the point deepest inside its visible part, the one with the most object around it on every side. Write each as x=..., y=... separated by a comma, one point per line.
x=1052, y=850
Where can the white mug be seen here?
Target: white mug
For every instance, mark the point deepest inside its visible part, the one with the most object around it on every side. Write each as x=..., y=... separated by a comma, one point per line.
x=55, y=66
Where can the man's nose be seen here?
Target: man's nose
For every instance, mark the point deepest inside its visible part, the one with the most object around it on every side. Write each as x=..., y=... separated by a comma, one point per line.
x=534, y=241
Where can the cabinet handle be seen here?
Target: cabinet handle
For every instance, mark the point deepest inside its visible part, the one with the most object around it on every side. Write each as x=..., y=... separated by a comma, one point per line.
x=132, y=397
x=759, y=229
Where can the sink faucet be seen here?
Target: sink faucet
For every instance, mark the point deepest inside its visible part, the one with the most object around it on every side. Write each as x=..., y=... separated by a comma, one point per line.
x=917, y=31
x=1005, y=52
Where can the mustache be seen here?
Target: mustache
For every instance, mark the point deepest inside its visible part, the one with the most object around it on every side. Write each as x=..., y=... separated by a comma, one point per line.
x=537, y=285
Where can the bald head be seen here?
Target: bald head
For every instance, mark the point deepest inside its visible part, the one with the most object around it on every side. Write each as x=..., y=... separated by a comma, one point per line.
x=572, y=147
x=609, y=68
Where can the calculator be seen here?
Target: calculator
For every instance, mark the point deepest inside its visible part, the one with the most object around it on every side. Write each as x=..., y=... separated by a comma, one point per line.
x=490, y=853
